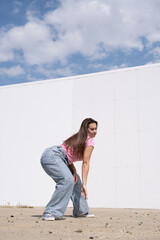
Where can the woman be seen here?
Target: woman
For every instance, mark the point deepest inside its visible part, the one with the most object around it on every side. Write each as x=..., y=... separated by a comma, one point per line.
x=57, y=162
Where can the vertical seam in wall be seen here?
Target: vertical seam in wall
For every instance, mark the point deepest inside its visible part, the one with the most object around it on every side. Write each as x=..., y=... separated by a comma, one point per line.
x=73, y=84
x=114, y=143
x=138, y=140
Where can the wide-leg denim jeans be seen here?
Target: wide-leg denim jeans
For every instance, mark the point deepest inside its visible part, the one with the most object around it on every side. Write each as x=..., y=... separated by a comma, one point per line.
x=54, y=162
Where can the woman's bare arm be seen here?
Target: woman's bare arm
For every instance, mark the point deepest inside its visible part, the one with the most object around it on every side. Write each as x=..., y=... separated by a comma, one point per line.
x=85, y=169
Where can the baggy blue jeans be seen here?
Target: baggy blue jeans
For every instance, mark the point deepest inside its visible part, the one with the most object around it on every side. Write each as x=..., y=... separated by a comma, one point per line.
x=55, y=164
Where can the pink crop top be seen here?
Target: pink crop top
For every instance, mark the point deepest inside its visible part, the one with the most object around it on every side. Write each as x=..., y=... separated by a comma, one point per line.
x=71, y=159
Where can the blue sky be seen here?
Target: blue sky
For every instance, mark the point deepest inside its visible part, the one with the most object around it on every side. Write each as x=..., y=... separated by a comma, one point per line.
x=42, y=39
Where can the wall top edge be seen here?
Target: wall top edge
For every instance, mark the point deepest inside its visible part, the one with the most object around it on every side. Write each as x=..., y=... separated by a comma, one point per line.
x=113, y=71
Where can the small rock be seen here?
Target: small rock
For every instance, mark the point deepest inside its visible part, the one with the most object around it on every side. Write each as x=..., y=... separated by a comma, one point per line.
x=91, y=237
x=12, y=216
x=140, y=223
x=36, y=222
x=106, y=225
x=79, y=230
x=50, y=232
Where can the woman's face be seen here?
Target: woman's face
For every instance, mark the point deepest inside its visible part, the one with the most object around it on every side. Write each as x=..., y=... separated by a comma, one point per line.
x=92, y=130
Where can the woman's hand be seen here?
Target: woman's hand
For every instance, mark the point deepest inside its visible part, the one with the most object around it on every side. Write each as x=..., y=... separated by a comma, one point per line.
x=74, y=172
x=75, y=177
x=84, y=190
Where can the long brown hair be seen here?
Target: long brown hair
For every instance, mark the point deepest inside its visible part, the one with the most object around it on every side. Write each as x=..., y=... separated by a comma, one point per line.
x=77, y=142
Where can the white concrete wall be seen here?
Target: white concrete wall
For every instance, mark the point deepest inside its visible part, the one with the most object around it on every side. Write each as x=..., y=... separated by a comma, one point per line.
x=125, y=164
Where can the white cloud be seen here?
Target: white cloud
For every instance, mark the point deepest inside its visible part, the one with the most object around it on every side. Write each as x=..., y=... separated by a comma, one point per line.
x=12, y=71
x=114, y=24
x=156, y=54
x=50, y=4
x=156, y=51
x=123, y=65
x=53, y=73
x=105, y=68
x=92, y=28
x=17, y=6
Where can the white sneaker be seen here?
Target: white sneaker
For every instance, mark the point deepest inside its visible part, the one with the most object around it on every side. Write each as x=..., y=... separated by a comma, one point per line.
x=88, y=215
x=48, y=217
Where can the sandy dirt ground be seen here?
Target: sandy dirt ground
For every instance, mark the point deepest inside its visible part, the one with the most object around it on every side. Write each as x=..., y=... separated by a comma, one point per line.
x=24, y=223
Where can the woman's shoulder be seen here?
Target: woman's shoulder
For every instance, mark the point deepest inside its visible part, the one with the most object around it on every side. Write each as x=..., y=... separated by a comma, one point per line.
x=89, y=141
